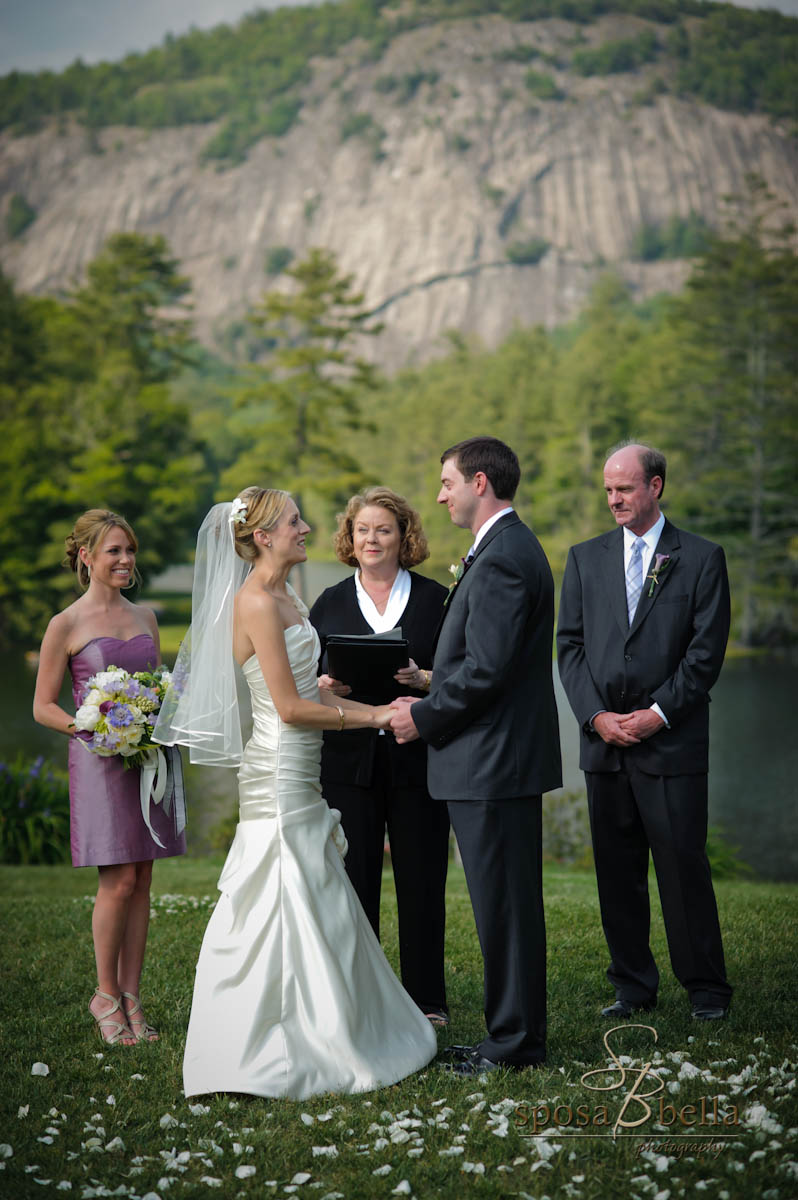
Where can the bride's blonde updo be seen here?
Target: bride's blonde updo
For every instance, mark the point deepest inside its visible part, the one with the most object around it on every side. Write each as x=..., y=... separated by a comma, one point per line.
x=87, y=534
x=264, y=507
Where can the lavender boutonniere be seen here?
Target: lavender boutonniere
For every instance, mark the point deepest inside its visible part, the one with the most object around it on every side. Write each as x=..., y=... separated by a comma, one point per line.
x=661, y=564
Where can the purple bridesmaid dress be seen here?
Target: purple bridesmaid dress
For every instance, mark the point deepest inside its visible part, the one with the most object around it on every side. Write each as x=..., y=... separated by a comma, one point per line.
x=106, y=825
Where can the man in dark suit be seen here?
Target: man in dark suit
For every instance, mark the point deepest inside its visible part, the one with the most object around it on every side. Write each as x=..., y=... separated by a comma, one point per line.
x=490, y=722
x=644, y=620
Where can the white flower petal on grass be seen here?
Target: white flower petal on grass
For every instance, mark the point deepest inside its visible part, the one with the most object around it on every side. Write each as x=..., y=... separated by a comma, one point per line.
x=110, y=1101
x=149, y=1196
x=47, y=1141
x=40, y=1069
x=674, y=1087
x=115, y=1144
x=244, y=1171
x=199, y=1110
x=415, y=1152
x=688, y=1071
x=5, y=1150
x=23, y=1110
x=210, y=1181
x=63, y=1186
x=451, y=1152
x=381, y=1143
x=167, y=1121
x=756, y=1116
x=402, y=1189
x=138, y=1075
x=306, y=1118
x=324, y=1151
x=470, y=1168
x=301, y=1177
x=386, y=1170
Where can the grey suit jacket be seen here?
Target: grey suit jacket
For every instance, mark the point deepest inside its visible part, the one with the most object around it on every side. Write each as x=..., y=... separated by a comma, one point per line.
x=671, y=655
x=491, y=719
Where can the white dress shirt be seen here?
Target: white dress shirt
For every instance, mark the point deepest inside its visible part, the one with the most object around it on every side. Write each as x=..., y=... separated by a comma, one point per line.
x=651, y=538
x=485, y=526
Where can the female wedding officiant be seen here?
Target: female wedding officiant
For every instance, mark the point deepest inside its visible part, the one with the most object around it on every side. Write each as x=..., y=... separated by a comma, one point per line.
x=375, y=783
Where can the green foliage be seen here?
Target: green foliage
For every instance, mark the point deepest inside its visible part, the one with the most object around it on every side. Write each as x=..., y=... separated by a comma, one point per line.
x=249, y=76
x=542, y=85
x=520, y=53
x=679, y=237
x=566, y=829
x=405, y=86
x=611, y=58
x=745, y=64
x=19, y=216
x=459, y=143
x=88, y=421
x=34, y=813
x=277, y=259
x=302, y=405
x=362, y=125
x=724, y=859
x=527, y=252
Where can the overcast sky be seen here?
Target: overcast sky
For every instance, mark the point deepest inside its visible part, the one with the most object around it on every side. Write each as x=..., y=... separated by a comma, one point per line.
x=53, y=33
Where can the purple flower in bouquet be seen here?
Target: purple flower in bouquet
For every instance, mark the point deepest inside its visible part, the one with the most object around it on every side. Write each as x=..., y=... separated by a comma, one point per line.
x=119, y=716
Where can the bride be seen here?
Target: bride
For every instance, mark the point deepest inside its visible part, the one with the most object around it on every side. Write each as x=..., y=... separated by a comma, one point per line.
x=293, y=995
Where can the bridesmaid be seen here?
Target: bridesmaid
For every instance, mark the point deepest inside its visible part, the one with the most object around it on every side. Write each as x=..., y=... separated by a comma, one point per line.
x=101, y=629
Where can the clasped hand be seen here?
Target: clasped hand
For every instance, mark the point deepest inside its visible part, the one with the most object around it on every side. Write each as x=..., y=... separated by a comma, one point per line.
x=627, y=729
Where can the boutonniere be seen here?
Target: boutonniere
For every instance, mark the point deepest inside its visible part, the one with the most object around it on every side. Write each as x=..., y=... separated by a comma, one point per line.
x=661, y=564
x=457, y=570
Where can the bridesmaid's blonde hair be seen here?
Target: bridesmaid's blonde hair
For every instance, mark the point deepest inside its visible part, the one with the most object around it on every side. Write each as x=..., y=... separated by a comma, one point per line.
x=87, y=534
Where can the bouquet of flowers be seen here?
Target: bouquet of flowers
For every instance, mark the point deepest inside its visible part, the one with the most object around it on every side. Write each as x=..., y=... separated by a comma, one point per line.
x=119, y=710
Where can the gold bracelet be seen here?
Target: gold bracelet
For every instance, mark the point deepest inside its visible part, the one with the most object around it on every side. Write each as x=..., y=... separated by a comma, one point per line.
x=342, y=715
x=427, y=680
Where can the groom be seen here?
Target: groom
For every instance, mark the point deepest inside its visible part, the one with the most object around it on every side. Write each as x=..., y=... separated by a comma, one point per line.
x=490, y=722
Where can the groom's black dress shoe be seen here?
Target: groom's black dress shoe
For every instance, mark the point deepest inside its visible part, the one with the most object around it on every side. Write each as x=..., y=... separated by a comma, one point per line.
x=708, y=1012
x=468, y=1061
x=622, y=1009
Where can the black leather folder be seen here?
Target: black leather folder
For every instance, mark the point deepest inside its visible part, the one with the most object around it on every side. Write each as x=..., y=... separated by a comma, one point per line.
x=368, y=662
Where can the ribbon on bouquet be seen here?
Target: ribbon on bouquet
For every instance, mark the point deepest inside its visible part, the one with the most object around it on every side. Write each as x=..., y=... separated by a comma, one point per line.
x=154, y=774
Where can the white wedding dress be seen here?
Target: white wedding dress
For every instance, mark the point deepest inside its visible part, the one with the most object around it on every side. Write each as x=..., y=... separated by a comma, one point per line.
x=293, y=995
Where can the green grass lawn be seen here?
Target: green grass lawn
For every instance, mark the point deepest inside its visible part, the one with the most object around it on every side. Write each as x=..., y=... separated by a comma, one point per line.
x=113, y=1120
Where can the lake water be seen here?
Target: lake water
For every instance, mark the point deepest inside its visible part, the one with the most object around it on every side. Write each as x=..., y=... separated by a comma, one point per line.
x=753, y=757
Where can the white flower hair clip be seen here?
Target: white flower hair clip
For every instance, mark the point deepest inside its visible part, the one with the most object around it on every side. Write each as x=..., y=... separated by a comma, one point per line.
x=238, y=511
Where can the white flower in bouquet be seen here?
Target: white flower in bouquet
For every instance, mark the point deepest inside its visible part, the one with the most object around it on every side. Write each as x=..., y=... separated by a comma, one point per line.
x=87, y=717
x=105, y=681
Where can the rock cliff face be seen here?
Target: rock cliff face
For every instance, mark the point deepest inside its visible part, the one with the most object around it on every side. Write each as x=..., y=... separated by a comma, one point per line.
x=459, y=161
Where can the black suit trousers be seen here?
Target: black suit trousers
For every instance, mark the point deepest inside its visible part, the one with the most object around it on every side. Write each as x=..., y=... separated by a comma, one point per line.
x=500, y=844
x=418, y=831
x=630, y=812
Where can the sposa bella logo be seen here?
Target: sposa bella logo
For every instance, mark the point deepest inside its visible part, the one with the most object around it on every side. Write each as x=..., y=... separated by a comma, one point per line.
x=633, y=1108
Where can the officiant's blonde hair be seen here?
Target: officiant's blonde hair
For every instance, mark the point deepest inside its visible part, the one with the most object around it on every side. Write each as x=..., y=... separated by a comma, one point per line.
x=413, y=548
x=265, y=506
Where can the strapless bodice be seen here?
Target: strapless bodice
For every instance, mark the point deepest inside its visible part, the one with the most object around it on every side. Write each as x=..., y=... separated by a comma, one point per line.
x=99, y=653
x=280, y=767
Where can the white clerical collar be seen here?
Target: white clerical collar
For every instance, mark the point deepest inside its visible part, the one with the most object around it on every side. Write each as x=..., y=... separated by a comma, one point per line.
x=486, y=525
x=397, y=602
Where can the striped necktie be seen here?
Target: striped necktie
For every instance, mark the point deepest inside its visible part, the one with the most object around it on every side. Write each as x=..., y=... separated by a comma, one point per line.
x=634, y=578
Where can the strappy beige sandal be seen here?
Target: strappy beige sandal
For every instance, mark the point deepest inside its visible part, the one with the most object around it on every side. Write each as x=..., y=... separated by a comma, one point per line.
x=145, y=1033
x=115, y=1029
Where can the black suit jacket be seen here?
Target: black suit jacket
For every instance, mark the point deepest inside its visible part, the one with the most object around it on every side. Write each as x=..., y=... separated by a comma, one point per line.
x=672, y=654
x=491, y=719
x=348, y=757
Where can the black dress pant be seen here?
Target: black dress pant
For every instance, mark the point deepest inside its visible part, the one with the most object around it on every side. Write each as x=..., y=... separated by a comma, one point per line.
x=418, y=830
x=631, y=812
x=500, y=843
